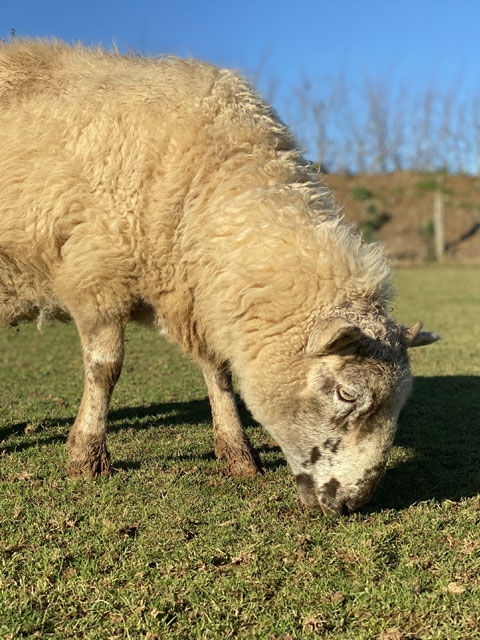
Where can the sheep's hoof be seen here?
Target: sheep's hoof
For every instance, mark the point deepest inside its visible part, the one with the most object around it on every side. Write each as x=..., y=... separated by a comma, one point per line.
x=89, y=457
x=90, y=468
x=242, y=462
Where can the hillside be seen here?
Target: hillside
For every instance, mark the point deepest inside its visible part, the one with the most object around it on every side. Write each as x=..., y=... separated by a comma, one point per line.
x=397, y=209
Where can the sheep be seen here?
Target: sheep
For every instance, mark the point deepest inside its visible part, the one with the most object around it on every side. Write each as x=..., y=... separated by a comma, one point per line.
x=166, y=191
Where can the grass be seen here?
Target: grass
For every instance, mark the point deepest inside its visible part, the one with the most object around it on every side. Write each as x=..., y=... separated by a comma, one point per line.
x=432, y=184
x=360, y=193
x=170, y=547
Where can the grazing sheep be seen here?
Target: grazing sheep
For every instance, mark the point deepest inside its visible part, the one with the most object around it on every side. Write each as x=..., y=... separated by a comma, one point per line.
x=165, y=190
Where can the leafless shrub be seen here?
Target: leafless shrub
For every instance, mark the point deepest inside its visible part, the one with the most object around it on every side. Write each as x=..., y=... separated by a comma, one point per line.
x=380, y=124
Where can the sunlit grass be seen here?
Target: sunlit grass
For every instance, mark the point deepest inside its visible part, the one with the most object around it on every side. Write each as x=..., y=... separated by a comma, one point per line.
x=171, y=547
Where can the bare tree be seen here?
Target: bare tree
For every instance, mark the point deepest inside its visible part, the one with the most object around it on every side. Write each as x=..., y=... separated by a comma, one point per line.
x=351, y=123
x=422, y=130
x=381, y=126
x=462, y=146
x=445, y=130
x=257, y=76
x=475, y=119
x=399, y=129
x=313, y=115
x=377, y=100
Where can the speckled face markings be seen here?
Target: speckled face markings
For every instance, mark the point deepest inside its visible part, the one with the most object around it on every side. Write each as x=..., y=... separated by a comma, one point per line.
x=305, y=482
x=348, y=410
x=342, y=468
x=371, y=474
x=332, y=444
x=329, y=490
x=315, y=456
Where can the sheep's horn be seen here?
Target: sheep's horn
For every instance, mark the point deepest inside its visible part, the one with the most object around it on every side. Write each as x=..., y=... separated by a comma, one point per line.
x=416, y=338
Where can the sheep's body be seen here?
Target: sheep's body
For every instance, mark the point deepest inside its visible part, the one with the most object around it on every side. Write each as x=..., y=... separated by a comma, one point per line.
x=166, y=189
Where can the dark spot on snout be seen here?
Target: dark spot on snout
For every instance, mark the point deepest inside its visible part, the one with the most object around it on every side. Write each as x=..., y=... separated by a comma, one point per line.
x=305, y=482
x=306, y=490
x=371, y=474
x=332, y=445
x=329, y=490
x=315, y=456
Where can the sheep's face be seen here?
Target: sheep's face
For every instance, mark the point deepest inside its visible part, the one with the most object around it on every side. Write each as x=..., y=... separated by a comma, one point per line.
x=337, y=431
x=356, y=401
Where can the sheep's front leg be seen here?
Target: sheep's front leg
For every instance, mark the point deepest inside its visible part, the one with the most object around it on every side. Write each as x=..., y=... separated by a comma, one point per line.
x=231, y=442
x=103, y=347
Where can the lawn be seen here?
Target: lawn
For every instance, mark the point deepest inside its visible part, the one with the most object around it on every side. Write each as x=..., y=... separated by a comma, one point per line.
x=171, y=547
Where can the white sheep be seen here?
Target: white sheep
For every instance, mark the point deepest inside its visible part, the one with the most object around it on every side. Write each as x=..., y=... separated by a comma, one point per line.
x=166, y=190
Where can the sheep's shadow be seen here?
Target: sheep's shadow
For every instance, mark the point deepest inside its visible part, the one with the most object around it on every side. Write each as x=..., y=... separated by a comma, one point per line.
x=158, y=415
x=167, y=415
x=439, y=430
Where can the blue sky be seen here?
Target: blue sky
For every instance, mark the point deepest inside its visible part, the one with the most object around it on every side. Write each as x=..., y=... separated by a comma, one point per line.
x=417, y=37
x=316, y=37
x=416, y=40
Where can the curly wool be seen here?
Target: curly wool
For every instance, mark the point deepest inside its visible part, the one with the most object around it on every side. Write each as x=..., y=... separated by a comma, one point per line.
x=131, y=182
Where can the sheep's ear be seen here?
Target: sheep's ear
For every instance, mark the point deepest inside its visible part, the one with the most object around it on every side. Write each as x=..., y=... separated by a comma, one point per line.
x=416, y=338
x=331, y=336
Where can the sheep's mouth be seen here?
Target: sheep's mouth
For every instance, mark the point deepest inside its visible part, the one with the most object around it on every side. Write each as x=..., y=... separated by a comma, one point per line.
x=331, y=498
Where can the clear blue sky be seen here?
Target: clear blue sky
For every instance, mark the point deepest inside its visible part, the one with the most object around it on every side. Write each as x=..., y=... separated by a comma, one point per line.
x=414, y=39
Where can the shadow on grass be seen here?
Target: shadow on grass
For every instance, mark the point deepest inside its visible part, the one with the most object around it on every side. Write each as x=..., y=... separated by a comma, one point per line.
x=159, y=415
x=440, y=428
x=166, y=415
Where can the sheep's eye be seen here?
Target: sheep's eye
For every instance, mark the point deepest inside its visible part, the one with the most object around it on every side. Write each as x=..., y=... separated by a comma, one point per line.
x=346, y=395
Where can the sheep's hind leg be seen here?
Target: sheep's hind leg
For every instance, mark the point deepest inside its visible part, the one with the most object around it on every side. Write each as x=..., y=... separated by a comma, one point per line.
x=103, y=348
x=231, y=442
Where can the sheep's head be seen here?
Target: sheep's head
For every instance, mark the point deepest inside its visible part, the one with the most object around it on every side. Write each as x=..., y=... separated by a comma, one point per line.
x=338, y=428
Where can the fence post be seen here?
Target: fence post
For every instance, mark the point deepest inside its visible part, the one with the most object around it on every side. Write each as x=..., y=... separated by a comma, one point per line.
x=439, y=225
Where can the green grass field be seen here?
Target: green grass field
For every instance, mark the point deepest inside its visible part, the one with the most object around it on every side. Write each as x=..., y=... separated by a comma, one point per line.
x=171, y=547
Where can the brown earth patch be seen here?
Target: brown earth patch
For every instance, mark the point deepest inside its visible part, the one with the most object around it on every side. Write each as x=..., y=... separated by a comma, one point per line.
x=403, y=204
